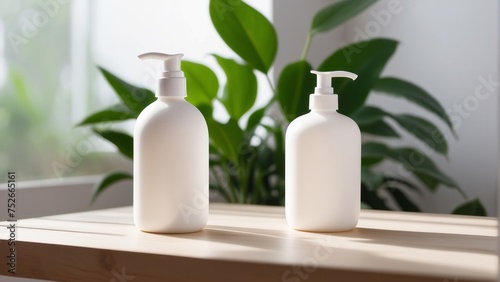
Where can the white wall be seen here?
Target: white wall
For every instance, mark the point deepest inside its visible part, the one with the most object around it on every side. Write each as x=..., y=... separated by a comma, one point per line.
x=446, y=47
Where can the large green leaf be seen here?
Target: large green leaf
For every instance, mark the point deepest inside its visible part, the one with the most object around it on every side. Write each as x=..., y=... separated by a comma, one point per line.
x=241, y=87
x=367, y=115
x=367, y=59
x=118, y=112
x=246, y=31
x=107, y=181
x=430, y=182
x=295, y=84
x=379, y=128
x=370, y=120
x=423, y=130
x=135, y=98
x=404, y=89
x=337, y=13
x=206, y=110
x=473, y=207
x=393, y=181
x=201, y=82
x=255, y=118
x=375, y=180
x=227, y=138
x=369, y=161
x=123, y=141
x=371, y=198
x=403, y=201
x=371, y=179
x=413, y=160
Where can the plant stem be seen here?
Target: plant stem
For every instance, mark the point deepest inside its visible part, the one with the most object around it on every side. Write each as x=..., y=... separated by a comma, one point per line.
x=271, y=84
x=306, y=47
x=234, y=187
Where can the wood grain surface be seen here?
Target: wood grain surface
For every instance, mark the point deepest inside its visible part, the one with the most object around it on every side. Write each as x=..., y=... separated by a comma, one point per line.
x=254, y=243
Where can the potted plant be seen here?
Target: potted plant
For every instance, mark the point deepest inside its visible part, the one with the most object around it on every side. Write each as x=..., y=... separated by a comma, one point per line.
x=247, y=158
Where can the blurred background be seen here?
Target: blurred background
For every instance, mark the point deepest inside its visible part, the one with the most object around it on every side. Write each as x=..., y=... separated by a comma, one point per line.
x=49, y=82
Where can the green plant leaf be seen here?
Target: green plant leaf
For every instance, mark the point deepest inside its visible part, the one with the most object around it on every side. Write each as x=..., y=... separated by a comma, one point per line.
x=369, y=119
x=392, y=181
x=255, y=118
x=404, y=89
x=123, y=141
x=403, y=201
x=206, y=110
x=201, y=82
x=367, y=59
x=372, y=199
x=367, y=115
x=474, y=207
x=337, y=13
x=423, y=130
x=135, y=98
x=118, y=112
x=429, y=181
x=369, y=161
x=226, y=138
x=413, y=160
x=371, y=179
x=295, y=84
x=246, y=31
x=241, y=87
x=379, y=128
x=107, y=181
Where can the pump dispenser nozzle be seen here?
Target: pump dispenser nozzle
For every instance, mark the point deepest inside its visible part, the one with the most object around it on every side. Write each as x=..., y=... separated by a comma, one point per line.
x=172, y=81
x=324, y=97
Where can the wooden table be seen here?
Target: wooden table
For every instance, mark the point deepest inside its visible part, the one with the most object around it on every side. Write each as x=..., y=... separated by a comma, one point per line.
x=254, y=243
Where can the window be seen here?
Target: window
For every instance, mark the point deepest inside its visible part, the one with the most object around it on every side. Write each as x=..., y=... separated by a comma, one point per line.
x=42, y=96
x=49, y=80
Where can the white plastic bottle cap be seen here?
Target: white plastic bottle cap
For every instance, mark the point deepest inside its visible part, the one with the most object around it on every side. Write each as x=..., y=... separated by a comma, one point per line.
x=172, y=81
x=324, y=97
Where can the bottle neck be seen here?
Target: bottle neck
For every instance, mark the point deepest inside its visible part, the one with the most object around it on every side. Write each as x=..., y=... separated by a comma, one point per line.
x=323, y=110
x=171, y=86
x=323, y=102
x=169, y=99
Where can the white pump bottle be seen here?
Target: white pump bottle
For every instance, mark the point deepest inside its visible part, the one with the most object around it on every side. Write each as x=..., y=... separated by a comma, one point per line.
x=323, y=164
x=170, y=157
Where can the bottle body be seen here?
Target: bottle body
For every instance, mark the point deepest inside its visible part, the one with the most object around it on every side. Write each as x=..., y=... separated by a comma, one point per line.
x=323, y=172
x=171, y=170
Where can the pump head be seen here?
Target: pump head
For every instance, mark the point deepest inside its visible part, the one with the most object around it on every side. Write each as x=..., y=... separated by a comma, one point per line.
x=172, y=81
x=324, y=98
